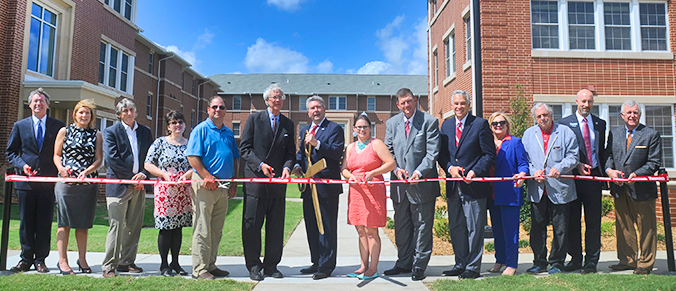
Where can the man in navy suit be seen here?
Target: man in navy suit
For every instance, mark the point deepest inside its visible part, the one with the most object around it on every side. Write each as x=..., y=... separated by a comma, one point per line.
x=31, y=151
x=468, y=151
x=125, y=146
x=327, y=139
x=590, y=131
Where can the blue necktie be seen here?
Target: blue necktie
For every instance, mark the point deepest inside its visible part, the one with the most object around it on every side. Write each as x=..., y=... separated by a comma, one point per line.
x=40, y=137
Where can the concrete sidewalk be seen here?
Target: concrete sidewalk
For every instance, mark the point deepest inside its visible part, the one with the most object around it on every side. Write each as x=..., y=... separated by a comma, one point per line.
x=297, y=256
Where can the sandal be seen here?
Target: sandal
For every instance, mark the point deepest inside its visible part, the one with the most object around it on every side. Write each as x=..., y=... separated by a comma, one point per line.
x=496, y=270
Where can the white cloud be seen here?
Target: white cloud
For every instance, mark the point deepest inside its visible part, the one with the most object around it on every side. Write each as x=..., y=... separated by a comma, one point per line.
x=374, y=67
x=203, y=40
x=267, y=57
x=288, y=5
x=418, y=64
x=191, y=56
x=188, y=56
x=325, y=67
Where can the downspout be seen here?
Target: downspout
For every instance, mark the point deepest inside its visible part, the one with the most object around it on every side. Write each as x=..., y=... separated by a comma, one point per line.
x=157, y=100
x=429, y=67
x=199, y=100
x=476, y=67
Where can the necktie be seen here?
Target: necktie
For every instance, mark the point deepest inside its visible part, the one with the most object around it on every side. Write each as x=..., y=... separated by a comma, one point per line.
x=628, y=139
x=40, y=137
x=314, y=129
x=274, y=125
x=407, y=127
x=458, y=133
x=587, y=142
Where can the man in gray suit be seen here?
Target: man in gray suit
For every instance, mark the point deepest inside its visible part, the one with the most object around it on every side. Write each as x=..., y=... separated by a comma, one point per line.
x=413, y=139
x=634, y=150
x=552, y=151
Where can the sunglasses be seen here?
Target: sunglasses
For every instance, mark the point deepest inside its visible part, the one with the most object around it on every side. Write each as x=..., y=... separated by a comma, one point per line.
x=501, y=123
x=362, y=127
x=221, y=107
x=176, y=122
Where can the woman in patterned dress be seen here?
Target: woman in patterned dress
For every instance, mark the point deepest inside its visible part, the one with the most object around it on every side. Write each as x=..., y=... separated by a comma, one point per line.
x=173, y=209
x=366, y=160
x=78, y=152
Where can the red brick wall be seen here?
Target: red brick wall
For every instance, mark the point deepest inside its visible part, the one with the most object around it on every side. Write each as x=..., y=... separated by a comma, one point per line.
x=672, y=206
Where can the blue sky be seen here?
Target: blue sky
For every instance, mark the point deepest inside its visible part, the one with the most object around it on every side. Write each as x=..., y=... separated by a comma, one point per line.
x=291, y=36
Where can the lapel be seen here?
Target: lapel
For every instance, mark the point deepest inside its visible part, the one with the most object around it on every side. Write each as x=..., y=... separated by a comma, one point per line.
x=320, y=128
x=638, y=134
x=416, y=122
x=123, y=135
x=31, y=129
x=465, y=128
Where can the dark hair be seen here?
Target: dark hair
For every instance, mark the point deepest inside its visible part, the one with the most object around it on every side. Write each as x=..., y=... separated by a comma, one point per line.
x=214, y=97
x=173, y=115
x=403, y=92
x=364, y=117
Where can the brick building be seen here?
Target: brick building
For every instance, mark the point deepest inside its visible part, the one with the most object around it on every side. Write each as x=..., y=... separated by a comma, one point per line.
x=553, y=48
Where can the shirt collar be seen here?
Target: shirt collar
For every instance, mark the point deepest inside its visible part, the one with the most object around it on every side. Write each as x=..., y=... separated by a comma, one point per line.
x=270, y=115
x=127, y=127
x=43, y=119
x=461, y=120
x=580, y=118
x=626, y=129
x=549, y=132
x=213, y=125
x=320, y=123
x=410, y=119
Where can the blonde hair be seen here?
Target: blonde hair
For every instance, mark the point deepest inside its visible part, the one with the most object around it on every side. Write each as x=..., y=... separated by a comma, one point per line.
x=504, y=115
x=88, y=103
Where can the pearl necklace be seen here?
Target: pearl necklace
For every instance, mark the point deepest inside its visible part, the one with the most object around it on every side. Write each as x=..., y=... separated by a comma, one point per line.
x=361, y=146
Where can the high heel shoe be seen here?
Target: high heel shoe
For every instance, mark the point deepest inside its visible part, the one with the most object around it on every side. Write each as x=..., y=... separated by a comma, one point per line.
x=177, y=268
x=84, y=270
x=58, y=267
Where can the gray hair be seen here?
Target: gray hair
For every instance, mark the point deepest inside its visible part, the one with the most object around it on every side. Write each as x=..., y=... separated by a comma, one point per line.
x=38, y=91
x=314, y=98
x=464, y=94
x=629, y=103
x=273, y=88
x=124, y=103
x=538, y=105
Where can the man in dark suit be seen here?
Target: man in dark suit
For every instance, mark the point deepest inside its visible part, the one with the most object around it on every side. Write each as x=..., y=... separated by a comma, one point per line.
x=31, y=151
x=590, y=131
x=413, y=139
x=125, y=146
x=468, y=151
x=634, y=150
x=268, y=149
x=327, y=139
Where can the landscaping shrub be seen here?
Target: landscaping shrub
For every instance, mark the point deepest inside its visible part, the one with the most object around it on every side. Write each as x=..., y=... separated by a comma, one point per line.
x=607, y=205
x=607, y=228
x=489, y=247
x=390, y=223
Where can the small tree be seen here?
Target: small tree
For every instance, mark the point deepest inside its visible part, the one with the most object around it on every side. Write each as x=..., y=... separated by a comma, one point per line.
x=521, y=116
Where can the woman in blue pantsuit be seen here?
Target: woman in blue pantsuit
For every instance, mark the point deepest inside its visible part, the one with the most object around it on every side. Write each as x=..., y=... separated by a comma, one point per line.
x=511, y=161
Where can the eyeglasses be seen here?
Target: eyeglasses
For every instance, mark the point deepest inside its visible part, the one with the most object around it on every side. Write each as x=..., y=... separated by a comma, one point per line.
x=221, y=107
x=175, y=122
x=362, y=127
x=501, y=123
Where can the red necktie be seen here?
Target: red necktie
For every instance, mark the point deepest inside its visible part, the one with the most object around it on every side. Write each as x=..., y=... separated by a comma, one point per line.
x=458, y=133
x=408, y=128
x=314, y=129
x=587, y=142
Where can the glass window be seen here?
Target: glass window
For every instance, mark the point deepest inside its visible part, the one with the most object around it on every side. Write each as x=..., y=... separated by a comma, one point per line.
x=558, y=111
x=371, y=104
x=468, y=39
x=302, y=103
x=436, y=68
x=102, y=63
x=149, y=106
x=192, y=119
x=614, y=117
x=150, y=63
x=42, y=42
x=235, y=128
x=124, y=7
x=373, y=130
x=617, y=25
x=660, y=118
x=545, y=24
x=124, y=69
x=237, y=103
x=114, y=67
x=450, y=55
x=581, y=25
x=337, y=103
x=653, y=26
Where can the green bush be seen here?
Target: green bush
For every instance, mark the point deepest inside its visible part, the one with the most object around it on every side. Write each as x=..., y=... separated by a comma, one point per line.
x=524, y=243
x=607, y=228
x=441, y=212
x=607, y=205
x=524, y=212
x=489, y=247
x=442, y=188
x=661, y=238
x=441, y=229
x=390, y=223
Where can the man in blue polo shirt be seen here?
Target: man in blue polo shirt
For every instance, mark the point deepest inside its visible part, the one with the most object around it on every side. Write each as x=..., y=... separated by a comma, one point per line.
x=213, y=154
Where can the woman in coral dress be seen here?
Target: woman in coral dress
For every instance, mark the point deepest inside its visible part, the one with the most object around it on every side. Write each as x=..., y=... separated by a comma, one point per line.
x=366, y=160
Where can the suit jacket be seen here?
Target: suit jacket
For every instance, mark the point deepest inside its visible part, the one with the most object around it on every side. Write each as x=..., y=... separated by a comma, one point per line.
x=22, y=149
x=562, y=154
x=600, y=133
x=417, y=152
x=332, y=143
x=119, y=157
x=475, y=151
x=259, y=145
x=643, y=158
x=511, y=159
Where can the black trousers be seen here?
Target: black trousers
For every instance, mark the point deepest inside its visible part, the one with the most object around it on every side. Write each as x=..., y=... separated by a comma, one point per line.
x=36, y=208
x=589, y=195
x=323, y=247
x=541, y=213
x=256, y=211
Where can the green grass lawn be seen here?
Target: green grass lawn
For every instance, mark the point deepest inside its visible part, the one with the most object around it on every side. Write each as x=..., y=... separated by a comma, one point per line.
x=231, y=243
x=602, y=282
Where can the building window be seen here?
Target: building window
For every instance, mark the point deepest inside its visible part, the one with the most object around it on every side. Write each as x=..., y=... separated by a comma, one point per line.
x=545, y=24
x=182, y=81
x=660, y=118
x=468, y=39
x=581, y=25
x=373, y=130
x=235, y=128
x=617, y=26
x=371, y=104
x=450, y=55
x=236, y=103
x=302, y=103
x=124, y=7
x=42, y=44
x=653, y=26
x=337, y=103
x=149, y=106
x=192, y=119
x=150, y=63
x=114, y=68
x=436, y=68
x=194, y=86
x=434, y=6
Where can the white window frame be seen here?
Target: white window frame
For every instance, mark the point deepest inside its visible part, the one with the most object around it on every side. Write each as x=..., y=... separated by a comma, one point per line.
x=234, y=107
x=239, y=128
x=435, y=55
x=40, y=43
x=450, y=51
x=337, y=103
x=149, y=106
x=118, y=68
x=151, y=57
x=131, y=15
x=468, y=38
x=302, y=103
x=370, y=101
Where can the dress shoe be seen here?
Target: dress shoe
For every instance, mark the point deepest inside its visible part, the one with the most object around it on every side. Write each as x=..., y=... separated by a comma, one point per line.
x=204, y=276
x=255, y=274
x=621, y=267
x=309, y=270
x=177, y=268
x=41, y=267
x=588, y=269
x=219, y=273
x=320, y=275
x=453, y=272
x=536, y=269
x=396, y=271
x=641, y=271
x=418, y=275
x=167, y=272
x=275, y=274
x=61, y=271
x=572, y=266
x=375, y=275
x=87, y=270
x=22, y=266
x=109, y=273
x=468, y=274
x=497, y=269
x=554, y=270
x=133, y=268
x=353, y=275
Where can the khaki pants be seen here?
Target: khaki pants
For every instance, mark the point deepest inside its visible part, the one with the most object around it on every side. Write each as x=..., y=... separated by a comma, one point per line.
x=210, y=209
x=630, y=212
x=126, y=219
